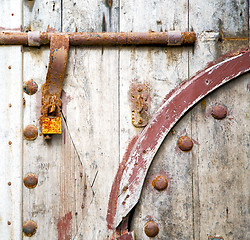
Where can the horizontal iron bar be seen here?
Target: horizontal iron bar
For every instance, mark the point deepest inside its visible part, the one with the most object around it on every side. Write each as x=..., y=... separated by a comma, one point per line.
x=171, y=38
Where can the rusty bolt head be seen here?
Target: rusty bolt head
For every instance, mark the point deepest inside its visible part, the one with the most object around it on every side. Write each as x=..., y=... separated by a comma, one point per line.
x=30, y=132
x=30, y=87
x=30, y=180
x=151, y=229
x=29, y=228
x=185, y=143
x=160, y=183
x=219, y=112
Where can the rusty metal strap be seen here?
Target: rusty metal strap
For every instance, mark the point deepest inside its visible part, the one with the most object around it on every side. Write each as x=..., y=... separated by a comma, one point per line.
x=51, y=90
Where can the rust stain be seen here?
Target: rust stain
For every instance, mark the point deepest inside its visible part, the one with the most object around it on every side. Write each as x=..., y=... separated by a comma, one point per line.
x=203, y=104
x=109, y=3
x=140, y=100
x=64, y=227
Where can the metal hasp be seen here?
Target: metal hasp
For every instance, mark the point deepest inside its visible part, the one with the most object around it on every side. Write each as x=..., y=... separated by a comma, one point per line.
x=134, y=167
x=139, y=95
x=51, y=91
x=171, y=38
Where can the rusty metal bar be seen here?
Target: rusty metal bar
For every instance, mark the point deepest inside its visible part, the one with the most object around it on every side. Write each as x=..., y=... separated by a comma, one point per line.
x=171, y=38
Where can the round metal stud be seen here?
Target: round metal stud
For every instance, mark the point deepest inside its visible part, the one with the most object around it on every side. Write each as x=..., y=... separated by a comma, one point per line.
x=29, y=228
x=30, y=132
x=30, y=87
x=30, y=180
x=219, y=112
x=185, y=143
x=160, y=183
x=151, y=229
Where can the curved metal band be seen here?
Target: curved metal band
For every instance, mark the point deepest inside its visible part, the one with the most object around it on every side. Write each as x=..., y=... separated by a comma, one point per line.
x=177, y=103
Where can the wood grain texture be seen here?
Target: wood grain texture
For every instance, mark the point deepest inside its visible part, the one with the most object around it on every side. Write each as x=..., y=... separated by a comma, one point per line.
x=220, y=191
x=162, y=69
x=11, y=126
x=92, y=114
x=63, y=193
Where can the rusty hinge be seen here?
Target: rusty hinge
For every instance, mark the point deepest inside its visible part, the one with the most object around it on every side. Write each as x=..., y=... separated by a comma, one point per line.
x=51, y=120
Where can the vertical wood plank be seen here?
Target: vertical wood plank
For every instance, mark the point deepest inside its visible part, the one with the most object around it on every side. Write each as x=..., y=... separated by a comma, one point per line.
x=61, y=178
x=92, y=113
x=11, y=126
x=163, y=69
x=220, y=185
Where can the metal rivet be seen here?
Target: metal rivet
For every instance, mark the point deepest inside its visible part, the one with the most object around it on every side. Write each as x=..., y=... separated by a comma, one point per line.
x=151, y=229
x=30, y=180
x=9, y=223
x=30, y=87
x=185, y=143
x=9, y=183
x=219, y=112
x=30, y=132
x=29, y=228
x=9, y=67
x=10, y=142
x=160, y=183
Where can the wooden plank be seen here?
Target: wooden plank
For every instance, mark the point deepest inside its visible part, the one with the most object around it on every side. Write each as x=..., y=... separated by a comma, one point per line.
x=92, y=112
x=162, y=69
x=11, y=126
x=56, y=203
x=63, y=193
x=222, y=159
x=41, y=15
x=215, y=206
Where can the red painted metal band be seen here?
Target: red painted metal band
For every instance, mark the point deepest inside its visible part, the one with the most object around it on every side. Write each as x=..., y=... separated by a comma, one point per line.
x=177, y=103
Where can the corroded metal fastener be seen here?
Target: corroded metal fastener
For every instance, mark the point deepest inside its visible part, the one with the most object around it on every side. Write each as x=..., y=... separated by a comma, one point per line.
x=171, y=38
x=30, y=180
x=30, y=132
x=151, y=229
x=185, y=143
x=219, y=112
x=29, y=228
x=160, y=183
x=30, y=87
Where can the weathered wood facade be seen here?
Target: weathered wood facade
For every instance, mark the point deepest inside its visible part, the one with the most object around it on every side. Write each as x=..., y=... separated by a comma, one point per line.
x=208, y=187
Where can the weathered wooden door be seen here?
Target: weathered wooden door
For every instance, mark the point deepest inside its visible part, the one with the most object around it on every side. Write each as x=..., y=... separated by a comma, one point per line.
x=207, y=196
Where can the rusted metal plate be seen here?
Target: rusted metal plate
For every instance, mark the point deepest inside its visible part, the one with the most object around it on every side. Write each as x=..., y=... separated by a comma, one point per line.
x=51, y=90
x=52, y=125
x=177, y=103
x=139, y=94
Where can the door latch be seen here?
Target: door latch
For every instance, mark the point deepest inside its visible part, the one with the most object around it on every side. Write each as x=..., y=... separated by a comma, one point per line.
x=51, y=120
